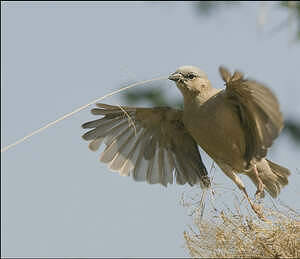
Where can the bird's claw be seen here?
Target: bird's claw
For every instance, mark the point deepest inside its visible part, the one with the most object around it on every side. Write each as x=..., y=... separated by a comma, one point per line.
x=258, y=210
x=260, y=192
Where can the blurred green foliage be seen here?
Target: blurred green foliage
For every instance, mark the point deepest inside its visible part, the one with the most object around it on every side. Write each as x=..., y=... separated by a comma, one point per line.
x=294, y=8
x=210, y=8
x=293, y=129
x=154, y=97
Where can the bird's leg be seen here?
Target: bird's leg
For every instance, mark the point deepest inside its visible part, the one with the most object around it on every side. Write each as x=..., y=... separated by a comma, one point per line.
x=256, y=208
x=260, y=186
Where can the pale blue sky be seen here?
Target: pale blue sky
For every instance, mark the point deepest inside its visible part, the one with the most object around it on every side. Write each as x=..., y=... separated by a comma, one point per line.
x=58, y=200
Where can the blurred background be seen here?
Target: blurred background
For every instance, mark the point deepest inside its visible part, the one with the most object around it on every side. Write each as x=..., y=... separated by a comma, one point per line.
x=57, y=199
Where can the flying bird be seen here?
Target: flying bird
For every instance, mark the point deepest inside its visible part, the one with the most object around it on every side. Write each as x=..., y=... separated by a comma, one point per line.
x=235, y=126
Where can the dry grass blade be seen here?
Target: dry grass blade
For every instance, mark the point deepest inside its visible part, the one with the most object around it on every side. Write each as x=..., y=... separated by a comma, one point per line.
x=130, y=120
x=76, y=111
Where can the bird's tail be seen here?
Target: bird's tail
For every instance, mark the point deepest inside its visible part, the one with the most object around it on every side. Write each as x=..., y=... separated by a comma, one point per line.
x=273, y=176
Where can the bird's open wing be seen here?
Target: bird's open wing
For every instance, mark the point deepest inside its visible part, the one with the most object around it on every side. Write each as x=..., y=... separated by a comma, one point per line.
x=258, y=110
x=149, y=143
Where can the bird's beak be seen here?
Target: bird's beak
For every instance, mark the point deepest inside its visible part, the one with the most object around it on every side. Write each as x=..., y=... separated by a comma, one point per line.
x=175, y=76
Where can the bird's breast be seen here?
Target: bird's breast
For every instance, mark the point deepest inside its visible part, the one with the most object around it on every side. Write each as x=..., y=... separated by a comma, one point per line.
x=216, y=127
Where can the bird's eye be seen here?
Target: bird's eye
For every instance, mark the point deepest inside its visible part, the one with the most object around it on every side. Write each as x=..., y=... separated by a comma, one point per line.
x=191, y=76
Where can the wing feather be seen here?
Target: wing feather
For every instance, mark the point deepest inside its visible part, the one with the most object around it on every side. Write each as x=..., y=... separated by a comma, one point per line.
x=151, y=144
x=161, y=167
x=114, y=145
x=258, y=110
x=118, y=161
x=168, y=167
x=95, y=144
x=152, y=172
x=104, y=129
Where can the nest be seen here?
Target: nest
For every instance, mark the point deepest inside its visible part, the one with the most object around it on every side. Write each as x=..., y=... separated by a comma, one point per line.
x=237, y=233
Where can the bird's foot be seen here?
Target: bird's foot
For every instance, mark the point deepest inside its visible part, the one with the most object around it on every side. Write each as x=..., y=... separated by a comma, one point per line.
x=260, y=192
x=260, y=186
x=258, y=209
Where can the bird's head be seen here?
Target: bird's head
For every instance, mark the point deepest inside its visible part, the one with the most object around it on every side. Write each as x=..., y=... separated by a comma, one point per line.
x=190, y=79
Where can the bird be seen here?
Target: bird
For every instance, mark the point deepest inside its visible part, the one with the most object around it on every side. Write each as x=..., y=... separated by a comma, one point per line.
x=235, y=126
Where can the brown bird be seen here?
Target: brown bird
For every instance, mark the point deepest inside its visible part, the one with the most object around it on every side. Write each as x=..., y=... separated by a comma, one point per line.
x=235, y=126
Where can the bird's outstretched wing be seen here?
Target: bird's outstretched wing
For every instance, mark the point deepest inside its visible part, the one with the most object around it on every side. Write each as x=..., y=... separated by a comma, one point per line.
x=258, y=110
x=150, y=143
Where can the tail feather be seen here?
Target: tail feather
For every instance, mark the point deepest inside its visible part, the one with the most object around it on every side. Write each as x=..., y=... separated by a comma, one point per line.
x=281, y=172
x=273, y=176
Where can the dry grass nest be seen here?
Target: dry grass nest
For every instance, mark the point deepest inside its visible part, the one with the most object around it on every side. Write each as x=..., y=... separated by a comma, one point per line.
x=237, y=233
